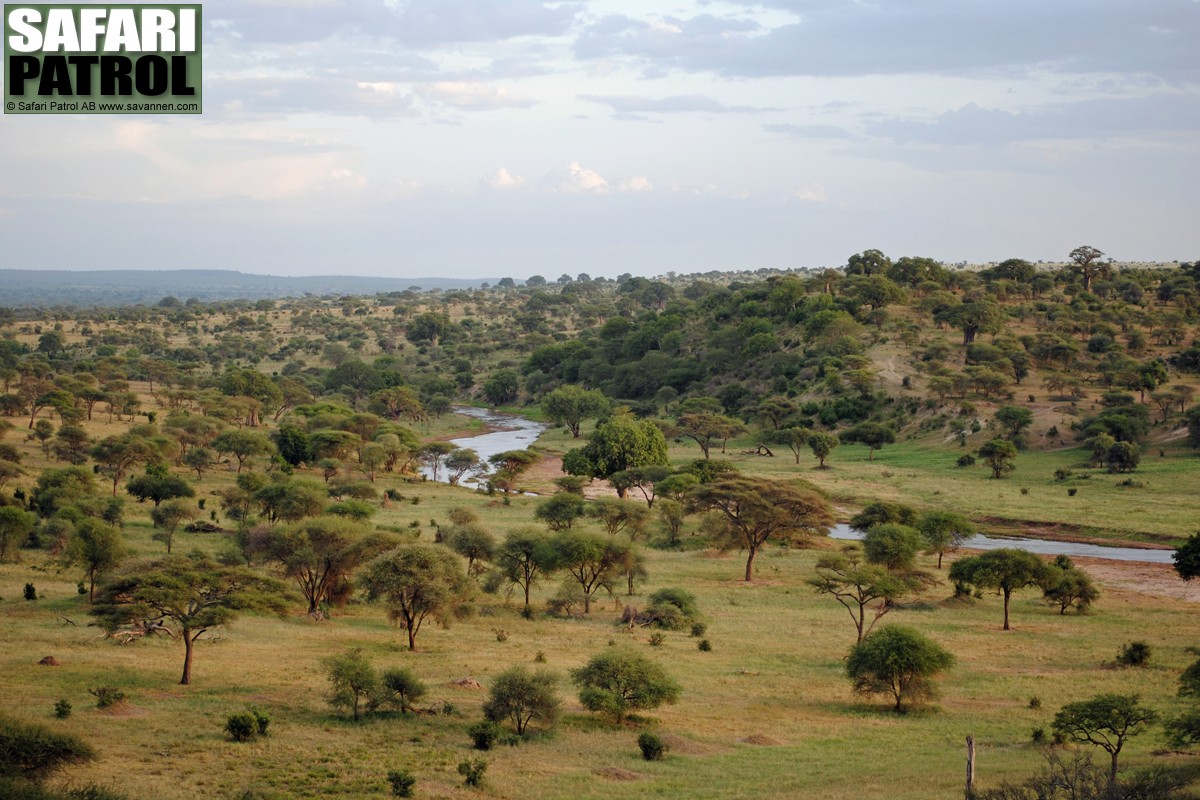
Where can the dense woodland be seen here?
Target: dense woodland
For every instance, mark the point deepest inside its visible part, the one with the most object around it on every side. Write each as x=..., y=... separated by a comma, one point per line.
x=180, y=466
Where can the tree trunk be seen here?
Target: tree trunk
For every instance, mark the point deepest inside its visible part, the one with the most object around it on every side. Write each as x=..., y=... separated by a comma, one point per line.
x=412, y=638
x=188, y=641
x=1112, y=775
x=1007, y=594
x=587, y=602
x=750, y=564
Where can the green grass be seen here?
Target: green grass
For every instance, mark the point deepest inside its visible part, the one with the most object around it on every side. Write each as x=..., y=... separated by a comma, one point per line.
x=775, y=673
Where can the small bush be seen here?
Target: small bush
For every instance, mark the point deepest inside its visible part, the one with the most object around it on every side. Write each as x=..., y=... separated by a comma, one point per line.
x=472, y=771
x=1035, y=702
x=1062, y=474
x=30, y=592
x=1038, y=735
x=107, y=696
x=1134, y=654
x=966, y=460
x=402, y=782
x=33, y=753
x=241, y=727
x=653, y=747
x=704, y=646
x=699, y=629
x=501, y=634
x=539, y=658
x=1071, y=492
x=657, y=639
x=484, y=734
x=1024, y=490
x=261, y=721
x=62, y=709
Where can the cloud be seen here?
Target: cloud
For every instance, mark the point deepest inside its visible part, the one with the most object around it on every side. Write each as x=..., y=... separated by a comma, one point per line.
x=808, y=131
x=902, y=38
x=501, y=179
x=1090, y=119
x=473, y=96
x=680, y=103
x=810, y=192
x=575, y=178
x=638, y=183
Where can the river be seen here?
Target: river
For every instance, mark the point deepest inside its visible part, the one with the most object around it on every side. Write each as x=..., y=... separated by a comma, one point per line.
x=511, y=432
x=508, y=432
x=1048, y=547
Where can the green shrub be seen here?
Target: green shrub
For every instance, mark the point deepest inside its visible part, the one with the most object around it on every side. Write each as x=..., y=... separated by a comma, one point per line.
x=261, y=721
x=107, y=696
x=657, y=639
x=1134, y=654
x=472, y=771
x=31, y=752
x=400, y=688
x=62, y=709
x=30, y=592
x=653, y=747
x=402, y=782
x=241, y=727
x=1035, y=702
x=699, y=629
x=704, y=646
x=484, y=734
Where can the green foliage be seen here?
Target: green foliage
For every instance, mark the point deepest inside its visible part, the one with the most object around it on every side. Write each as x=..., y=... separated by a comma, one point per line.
x=570, y=405
x=33, y=753
x=652, y=746
x=353, y=682
x=1134, y=654
x=892, y=545
x=673, y=609
x=944, y=531
x=1106, y=721
x=1066, y=586
x=526, y=556
x=619, y=443
x=620, y=681
x=107, y=696
x=1000, y=455
x=62, y=709
x=1187, y=558
x=15, y=527
x=472, y=772
x=400, y=688
x=593, y=560
x=401, y=782
x=521, y=696
x=879, y=512
x=241, y=727
x=898, y=661
x=417, y=583
x=560, y=510
x=1007, y=570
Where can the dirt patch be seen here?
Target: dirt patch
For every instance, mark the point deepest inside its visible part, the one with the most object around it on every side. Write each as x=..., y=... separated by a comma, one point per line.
x=467, y=683
x=761, y=740
x=686, y=747
x=617, y=774
x=50, y=661
x=1156, y=580
x=540, y=478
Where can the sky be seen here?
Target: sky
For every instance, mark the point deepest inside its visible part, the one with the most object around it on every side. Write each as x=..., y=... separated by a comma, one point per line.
x=492, y=138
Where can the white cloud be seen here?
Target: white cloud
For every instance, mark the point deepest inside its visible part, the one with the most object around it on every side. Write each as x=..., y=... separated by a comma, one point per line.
x=502, y=179
x=638, y=183
x=473, y=96
x=811, y=193
x=576, y=178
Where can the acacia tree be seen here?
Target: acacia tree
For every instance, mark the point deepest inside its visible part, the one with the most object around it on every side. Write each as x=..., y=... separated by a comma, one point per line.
x=522, y=696
x=944, y=531
x=861, y=588
x=526, y=555
x=117, y=454
x=755, y=510
x=242, y=445
x=1006, y=570
x=822, y=444
x=416, y=583
x=1085, y=260
x=619, y=681
x=320, y=553
x=168, y=517
x=509, y=466
x=593, y=561
x=97, y=547
x=1107, y=721
x=570, y=405
x=999, y=455
x=898, y=661
x=197, y=594
x=703, y=428
x=871, y=434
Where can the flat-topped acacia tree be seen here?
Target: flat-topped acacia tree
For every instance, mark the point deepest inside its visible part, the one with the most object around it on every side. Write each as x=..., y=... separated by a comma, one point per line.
x=756, y=510
x=197, y=594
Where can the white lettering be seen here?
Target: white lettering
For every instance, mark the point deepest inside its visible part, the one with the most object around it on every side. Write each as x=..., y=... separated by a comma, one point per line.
x=158, y=30
x=91, y=25
x=28, y=38
x=187, y=30
x=122, y=31
x=60, y=31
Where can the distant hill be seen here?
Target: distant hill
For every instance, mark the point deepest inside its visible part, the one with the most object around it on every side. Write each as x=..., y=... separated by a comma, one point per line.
x=24, y=287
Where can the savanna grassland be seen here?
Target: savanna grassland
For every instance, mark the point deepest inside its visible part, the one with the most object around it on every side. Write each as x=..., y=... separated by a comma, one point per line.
x=1090, y=373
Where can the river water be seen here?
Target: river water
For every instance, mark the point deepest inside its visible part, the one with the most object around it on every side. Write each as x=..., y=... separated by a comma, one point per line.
x=517, y=433
x=509, y=433
x=1043, y=546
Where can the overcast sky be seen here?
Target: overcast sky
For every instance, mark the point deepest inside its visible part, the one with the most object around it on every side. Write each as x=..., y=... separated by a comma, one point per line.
x=489, y=138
